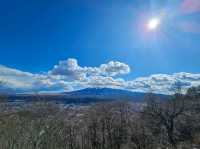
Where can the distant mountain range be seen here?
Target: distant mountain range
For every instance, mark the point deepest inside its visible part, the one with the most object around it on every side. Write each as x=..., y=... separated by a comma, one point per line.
x=106, y=93
x=88, y=95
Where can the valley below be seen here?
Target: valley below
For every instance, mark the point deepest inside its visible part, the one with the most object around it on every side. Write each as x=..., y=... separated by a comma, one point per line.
x=100, y=118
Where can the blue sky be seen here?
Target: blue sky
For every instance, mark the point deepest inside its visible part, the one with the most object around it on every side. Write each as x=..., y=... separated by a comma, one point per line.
x=35, y=35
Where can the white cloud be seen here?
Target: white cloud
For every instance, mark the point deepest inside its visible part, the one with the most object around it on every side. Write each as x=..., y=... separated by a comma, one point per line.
x=68, y=75
x=164, y=83
x=114, y=68
x=70, y=70
x=18, y=81
x=101, y=81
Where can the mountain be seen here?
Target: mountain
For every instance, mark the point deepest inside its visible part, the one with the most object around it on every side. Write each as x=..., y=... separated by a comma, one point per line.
x=84, y=96
x=106, y=93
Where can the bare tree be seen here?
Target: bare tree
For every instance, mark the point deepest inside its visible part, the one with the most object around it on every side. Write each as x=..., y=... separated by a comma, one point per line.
x=162, y=116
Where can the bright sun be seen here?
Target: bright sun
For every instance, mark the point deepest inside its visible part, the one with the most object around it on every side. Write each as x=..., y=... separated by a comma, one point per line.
x=153, y=23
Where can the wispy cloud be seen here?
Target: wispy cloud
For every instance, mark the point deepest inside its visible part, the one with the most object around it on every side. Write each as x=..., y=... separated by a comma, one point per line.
x=68, y=75
x=190, y=6
x=190, y=26
x=18, y=81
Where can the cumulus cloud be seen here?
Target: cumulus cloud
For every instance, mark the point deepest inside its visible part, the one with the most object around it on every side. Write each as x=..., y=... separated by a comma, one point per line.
x=114, y=68
x=164, y=83
x=68, y=76
x=70, y=70
x=101, y=81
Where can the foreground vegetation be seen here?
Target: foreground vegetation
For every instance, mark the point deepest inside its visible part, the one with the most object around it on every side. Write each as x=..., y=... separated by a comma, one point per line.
x=157, y=124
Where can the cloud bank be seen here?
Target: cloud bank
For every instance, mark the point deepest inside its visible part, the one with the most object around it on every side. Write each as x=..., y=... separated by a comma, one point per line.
x=68, y=75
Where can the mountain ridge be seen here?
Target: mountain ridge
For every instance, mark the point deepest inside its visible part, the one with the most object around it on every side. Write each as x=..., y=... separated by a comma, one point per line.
x=87, y=95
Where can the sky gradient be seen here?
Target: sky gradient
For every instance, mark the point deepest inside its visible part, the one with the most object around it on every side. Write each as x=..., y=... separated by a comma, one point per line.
x=36, y=35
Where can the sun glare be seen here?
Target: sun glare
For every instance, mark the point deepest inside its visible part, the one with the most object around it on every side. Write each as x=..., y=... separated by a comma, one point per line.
x=153, y=23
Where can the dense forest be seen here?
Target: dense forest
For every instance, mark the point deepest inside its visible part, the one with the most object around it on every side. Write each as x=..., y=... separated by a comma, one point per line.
x=172, y=123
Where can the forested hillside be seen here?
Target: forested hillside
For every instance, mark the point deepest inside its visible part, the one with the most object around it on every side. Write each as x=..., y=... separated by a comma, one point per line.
x=172, y=124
